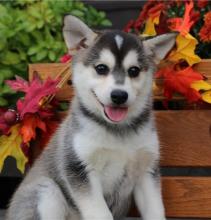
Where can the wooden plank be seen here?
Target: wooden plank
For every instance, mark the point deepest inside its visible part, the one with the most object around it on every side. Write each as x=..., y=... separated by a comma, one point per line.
x=185, y=137
x=52, y=69
x=184, y=197
x=204, y=67
x=45, y=70
x=187, y=196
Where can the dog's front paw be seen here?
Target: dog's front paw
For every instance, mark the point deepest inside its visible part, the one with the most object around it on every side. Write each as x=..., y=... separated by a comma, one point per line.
x=99, y=216
x=153, y=217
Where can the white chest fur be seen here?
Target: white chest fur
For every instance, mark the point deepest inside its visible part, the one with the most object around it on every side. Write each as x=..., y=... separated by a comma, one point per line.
x=112, y=156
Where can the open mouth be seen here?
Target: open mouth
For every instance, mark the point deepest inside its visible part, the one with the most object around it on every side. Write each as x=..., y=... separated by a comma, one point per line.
x=113, y=113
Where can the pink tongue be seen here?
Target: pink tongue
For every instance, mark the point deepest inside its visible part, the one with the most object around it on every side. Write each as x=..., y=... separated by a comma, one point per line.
x=116, y=114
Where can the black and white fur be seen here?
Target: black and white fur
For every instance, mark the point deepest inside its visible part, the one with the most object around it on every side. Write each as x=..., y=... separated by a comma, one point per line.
x=93, y=166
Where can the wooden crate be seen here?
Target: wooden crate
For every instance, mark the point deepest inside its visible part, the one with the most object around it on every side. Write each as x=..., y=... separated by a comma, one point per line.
x=185, y=137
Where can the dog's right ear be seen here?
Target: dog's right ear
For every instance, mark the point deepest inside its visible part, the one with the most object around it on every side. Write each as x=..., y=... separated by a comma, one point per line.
x=76, y=33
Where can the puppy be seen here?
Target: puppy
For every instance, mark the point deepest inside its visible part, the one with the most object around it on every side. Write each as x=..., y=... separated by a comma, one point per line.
x=106, y=151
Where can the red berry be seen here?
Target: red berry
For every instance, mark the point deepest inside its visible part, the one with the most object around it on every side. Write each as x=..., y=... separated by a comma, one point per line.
x=10, y=116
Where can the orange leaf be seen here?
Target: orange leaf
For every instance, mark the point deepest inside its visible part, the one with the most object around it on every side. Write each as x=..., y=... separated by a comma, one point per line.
x=180, y=81
x=29, y=125
x=184, y=24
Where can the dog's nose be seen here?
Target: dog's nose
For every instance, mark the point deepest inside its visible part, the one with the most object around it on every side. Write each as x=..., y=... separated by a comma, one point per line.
x=119, y=96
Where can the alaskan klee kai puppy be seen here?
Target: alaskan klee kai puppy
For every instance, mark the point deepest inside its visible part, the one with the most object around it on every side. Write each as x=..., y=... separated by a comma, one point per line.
x=107, y=149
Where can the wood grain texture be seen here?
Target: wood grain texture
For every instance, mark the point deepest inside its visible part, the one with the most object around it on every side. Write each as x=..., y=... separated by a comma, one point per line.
x=187, y=196
x=52, y=69
x=204, y=67
x=45, y=70
x=185, y=137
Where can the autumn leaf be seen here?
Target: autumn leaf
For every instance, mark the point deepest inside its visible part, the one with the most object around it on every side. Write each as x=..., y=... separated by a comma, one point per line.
x=11, y=146
x=180, y=81
x=149, y=28
x=19, y=84
x=184, y=24
x=206, y=96
x=36, y=91
x=185, y=50
x=201, y=85
x=28, y=127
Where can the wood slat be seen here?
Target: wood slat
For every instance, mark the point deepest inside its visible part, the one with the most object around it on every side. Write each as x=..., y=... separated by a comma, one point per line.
x=204, y=67
x=45, y=70
x=52, y=69
x=185, y=137
x=187, y=196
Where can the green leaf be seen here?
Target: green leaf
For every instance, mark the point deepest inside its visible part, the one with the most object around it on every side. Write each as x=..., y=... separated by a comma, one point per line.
x=10, y=58
x=6, y=90
x=106, y=23
x=3, y=101
x=41, y=55
x=77, y=13
x=33, y=50
x=52, y=55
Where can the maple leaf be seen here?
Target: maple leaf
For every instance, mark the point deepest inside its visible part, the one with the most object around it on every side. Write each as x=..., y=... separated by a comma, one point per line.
x=204, y=86
x=206, y=96
x=19, y=84
x=11, y=146
x=185, y=50
x=51, y=126
x=149, y=29
x=180, y=81
x=28, y=127
x=184, y=24
x=36, y=91
x=201, y=85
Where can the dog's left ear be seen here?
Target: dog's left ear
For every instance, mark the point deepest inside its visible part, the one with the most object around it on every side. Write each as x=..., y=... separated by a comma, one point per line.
x=76, y=33
x=159, y=46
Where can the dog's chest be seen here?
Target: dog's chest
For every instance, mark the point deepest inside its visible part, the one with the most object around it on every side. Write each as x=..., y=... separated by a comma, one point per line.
x=110, y=165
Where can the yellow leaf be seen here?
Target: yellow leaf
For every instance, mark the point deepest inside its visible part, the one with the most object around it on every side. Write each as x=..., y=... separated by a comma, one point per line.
x=11, y=146
x=185, y=50
x=200, y=85
x=206, y=96
x=149, y=29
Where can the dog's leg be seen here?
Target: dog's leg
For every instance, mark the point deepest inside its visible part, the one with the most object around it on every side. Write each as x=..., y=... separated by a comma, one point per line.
x=91, y=203
x=51, y=203
x=147, y=194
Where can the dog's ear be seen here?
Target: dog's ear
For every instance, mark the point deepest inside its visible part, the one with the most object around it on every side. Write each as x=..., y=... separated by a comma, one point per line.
x=76, y=33
x=159, y=46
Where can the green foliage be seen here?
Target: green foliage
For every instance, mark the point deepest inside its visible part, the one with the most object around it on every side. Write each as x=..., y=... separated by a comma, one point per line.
x=31, y=31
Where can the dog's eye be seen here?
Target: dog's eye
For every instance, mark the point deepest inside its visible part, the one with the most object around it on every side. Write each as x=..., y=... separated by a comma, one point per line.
x=133, y=71
x=102, y=69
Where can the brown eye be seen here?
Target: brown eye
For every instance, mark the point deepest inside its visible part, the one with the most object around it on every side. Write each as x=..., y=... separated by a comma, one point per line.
x=102, y=69
x=133, y=71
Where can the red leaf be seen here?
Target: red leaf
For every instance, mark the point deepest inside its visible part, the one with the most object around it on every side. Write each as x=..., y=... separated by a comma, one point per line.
x=184, y=24
x=29, y=124
x=36, y=91
x=65, y=58
x=180, y=81
x=19, y=84
x=51, y=125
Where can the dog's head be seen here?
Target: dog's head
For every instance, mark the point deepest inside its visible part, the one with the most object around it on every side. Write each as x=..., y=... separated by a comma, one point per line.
x=113, y=70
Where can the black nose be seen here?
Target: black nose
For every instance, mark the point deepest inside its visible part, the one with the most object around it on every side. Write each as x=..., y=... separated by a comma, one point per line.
x=119, y=97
